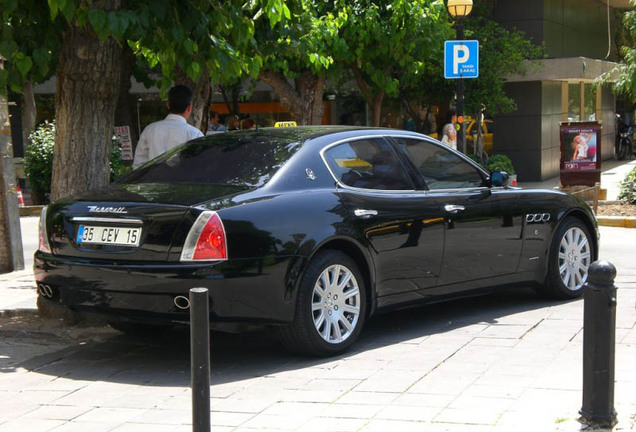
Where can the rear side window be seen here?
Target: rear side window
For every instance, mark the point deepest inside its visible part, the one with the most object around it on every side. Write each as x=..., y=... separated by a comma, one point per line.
x=221, y=159
x=367, y=164
x=439, y=167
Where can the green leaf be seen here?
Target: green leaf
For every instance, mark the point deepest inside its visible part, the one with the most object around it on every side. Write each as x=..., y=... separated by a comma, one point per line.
x=53, y=8
x=97, y=18
x=69, y=9
x=189, y=46
x=23, y=63
x=117, y=24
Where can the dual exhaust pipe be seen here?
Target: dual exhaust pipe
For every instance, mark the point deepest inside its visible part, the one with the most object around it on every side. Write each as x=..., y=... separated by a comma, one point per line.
x=46, y=291
x=181, y=302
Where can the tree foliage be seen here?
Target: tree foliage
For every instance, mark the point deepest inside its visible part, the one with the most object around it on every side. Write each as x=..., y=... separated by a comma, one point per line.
x=30, y=43
x=388, y=43
x=626, y=73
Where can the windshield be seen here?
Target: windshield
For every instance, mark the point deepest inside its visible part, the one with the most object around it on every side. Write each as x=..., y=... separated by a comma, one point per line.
x=223, y=159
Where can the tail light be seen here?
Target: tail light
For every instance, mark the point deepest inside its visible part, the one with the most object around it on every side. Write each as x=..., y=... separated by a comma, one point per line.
x=43, y=235
x=206, y=239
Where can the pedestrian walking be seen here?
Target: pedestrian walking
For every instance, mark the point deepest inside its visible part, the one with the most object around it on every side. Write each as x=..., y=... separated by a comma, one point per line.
x=161, y=136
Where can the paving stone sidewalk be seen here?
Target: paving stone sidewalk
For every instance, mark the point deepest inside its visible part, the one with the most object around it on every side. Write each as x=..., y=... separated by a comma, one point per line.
x=504, y=362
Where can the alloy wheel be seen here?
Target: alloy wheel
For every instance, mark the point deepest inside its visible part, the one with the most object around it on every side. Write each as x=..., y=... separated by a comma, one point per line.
x=336, y=304
x=574, y=258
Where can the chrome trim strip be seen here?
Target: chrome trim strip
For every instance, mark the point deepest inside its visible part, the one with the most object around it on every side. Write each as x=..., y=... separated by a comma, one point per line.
x=363, y=212
x=428, y=140
x=107, y=220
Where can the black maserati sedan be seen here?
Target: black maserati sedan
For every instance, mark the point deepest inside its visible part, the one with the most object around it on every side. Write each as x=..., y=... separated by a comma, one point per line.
x=309, y=229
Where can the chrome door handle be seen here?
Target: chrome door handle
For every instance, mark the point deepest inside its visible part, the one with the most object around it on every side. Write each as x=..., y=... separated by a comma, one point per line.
x=365, y=213
x=454, y=209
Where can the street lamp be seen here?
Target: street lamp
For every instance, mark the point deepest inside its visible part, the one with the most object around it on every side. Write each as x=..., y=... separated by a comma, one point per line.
x=459, y=10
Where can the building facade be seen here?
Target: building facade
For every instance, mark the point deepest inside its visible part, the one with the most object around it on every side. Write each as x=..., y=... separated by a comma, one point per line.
x=578, y=36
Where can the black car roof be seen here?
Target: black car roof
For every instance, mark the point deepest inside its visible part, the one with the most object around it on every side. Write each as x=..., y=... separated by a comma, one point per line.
x=303, y=133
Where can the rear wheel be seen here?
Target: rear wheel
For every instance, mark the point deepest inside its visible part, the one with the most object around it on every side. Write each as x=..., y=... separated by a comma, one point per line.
x=330, y=307
x=571, y=254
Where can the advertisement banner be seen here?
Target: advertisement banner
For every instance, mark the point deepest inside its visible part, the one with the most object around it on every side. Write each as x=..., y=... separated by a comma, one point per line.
x=580, y=153
x=123, y=136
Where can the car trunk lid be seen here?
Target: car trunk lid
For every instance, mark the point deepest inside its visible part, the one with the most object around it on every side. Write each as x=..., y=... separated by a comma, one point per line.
x=128, y=222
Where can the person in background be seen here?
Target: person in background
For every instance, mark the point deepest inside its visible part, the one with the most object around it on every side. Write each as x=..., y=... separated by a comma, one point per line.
x=214, y=125
x=248, y=123
x=163, y=135
x=233, y=123
x=449, y=132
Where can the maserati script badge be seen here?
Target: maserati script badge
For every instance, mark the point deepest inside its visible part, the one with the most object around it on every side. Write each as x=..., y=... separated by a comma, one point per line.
x=97, y=209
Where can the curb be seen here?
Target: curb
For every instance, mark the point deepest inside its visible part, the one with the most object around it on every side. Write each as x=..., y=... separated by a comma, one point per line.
x=617, y=221
x=31, y=210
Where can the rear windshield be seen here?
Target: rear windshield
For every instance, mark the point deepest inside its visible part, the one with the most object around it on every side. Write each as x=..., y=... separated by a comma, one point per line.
x=230, y=159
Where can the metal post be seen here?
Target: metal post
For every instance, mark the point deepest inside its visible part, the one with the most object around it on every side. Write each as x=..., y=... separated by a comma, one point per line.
x=599, y=334
x=200, y=359
x=461, y=138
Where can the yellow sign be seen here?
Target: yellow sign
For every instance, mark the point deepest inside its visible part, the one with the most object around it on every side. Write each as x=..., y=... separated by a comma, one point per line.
x=285, y=124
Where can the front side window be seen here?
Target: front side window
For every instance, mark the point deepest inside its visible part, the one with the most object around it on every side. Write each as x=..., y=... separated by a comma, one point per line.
x=439, y=167
x=367, y=164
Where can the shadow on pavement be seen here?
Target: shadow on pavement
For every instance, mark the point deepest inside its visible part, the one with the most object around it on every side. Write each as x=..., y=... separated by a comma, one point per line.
x=100, y=353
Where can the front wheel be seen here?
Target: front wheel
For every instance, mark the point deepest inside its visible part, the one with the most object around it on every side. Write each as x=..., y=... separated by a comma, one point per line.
x=330, y=306
x=623, y=150
x=570, y=257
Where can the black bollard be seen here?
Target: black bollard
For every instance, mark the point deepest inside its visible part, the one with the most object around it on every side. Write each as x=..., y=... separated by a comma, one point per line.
x=599, y=335
x=200, y=358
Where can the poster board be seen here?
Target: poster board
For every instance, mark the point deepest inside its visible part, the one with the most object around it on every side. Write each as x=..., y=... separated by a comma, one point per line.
x=580, y=153
x=123, y=136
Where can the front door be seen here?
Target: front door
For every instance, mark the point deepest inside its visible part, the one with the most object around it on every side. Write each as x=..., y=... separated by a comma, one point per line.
x=483, y=225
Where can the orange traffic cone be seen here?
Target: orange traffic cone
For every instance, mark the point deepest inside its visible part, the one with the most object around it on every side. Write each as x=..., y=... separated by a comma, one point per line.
x=20, y=198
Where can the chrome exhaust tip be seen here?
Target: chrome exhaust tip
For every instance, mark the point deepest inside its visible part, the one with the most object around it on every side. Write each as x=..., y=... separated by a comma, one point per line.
x=182, y=302
x=46, y=290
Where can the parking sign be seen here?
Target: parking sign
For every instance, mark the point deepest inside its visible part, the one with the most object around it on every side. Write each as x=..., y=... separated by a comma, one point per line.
x=461, y=59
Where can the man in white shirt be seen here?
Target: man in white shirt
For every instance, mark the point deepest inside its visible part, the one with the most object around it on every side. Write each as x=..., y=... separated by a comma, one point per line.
x=163, y=135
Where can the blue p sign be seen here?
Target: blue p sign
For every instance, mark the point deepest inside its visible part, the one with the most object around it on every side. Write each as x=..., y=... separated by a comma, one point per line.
x=461, y=59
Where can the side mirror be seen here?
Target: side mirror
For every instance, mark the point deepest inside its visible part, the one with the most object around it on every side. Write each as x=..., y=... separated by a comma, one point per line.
x=499, y=178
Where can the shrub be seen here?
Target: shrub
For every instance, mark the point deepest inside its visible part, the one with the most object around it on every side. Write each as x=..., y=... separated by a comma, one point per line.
x=38, y=161
x=500, y=162
x=623, y=193
x=117, y=165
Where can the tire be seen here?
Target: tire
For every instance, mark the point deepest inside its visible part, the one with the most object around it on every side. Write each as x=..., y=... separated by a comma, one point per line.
x=330, y=307
x=623, y=150
x=571, y=254
x=139, y=329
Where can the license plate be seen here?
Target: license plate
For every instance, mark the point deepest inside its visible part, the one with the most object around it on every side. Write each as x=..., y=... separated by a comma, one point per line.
x=108, y=235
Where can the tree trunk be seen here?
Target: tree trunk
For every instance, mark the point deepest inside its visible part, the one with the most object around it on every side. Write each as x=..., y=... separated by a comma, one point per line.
x=124, y=114
x=11, y=254
x=86, y=96
x=304, y=100
x=29, y=113
x=374, y=99
x=201, y=89
x=231, y=101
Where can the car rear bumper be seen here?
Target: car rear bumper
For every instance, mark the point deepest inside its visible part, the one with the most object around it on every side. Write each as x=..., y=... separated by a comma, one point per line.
x=244, y=291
